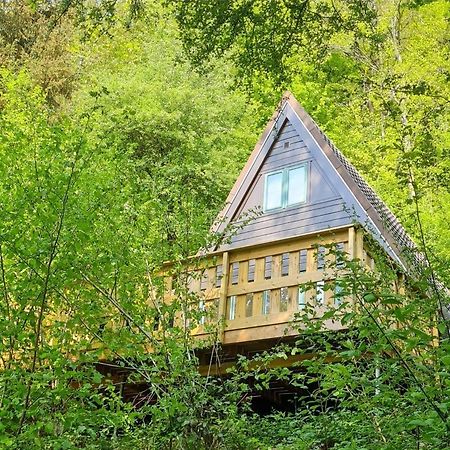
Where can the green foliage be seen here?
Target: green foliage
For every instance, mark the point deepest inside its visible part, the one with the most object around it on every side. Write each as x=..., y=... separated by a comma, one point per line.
x=115, y=155
x=189, y=134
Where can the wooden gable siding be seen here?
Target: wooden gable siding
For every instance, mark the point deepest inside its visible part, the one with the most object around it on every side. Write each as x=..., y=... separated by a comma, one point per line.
x=324, y=208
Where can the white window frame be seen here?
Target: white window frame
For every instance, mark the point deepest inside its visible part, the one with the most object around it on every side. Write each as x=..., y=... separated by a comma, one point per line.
x=285, y=187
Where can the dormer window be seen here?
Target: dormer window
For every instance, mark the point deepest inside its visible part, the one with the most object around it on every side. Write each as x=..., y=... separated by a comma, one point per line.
x=285, y=188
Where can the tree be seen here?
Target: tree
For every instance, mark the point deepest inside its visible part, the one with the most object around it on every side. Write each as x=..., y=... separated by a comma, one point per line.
x=379, y=69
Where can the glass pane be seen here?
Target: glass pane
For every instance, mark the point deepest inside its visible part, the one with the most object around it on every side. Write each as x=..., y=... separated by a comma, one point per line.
x=296, y=185
x=274, y=191
x=266, y=302
x=249, y=306
x=284, y=299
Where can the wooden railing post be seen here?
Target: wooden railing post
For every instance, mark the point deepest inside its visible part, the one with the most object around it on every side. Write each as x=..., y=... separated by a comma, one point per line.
x=351, y=243
x=355, y=243
x=359, y=244
x=223, y=295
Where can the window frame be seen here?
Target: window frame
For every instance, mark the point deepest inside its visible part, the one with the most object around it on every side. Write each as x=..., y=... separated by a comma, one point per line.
x=266, y=189
x=285, y=187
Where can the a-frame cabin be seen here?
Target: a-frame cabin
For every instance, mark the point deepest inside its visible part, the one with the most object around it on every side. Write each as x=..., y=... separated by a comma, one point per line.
x=296, y=193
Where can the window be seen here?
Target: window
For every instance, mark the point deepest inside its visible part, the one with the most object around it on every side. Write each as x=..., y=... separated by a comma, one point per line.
x=285, y=188
x=266, y=302
x=296, y=186
x=274, y=191
x=231, y=307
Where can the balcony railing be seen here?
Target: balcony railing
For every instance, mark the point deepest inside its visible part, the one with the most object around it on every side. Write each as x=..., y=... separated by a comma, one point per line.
x=256, y=292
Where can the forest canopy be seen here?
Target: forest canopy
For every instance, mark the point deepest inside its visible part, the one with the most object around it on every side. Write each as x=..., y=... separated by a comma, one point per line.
x=123, y=126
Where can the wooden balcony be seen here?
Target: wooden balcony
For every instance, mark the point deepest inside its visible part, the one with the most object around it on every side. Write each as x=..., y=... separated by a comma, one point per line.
x=254, y=293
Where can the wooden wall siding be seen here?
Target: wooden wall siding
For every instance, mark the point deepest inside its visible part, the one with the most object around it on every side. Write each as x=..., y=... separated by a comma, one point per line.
x=293, y=222
x=324, y=208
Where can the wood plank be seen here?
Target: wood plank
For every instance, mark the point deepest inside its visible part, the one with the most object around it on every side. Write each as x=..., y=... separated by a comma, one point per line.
x=290, y=230
x=293, y=263
x=296, y=213
x=211, y=278
x=254, y=252
x=292, y=305
x=272, y=331
x=294, y=141
x=257, y=303
x=311, y=262
x=275, y=302
x=359, y=244
x=243, y=272
x=224, y=367
x=276, y=283
x=240, y=308
x=259, y=269
x=276, y=267
x=285, y=160
x=259, y=320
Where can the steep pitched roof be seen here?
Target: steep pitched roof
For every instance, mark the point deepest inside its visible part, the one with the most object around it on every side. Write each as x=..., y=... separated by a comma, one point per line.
x=372, y=211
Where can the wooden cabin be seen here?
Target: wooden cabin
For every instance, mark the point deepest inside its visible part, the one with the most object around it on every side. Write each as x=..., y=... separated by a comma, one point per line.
x=296, y=194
